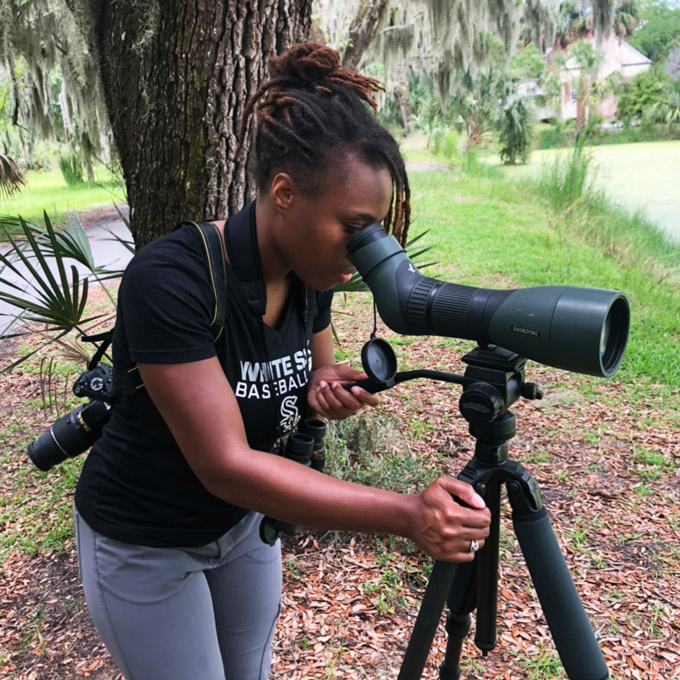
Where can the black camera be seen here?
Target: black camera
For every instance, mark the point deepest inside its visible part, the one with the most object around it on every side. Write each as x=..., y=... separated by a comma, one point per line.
x=75, y=432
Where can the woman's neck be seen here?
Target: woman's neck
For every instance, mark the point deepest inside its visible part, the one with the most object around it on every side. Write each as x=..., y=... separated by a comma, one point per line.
x=275, y=269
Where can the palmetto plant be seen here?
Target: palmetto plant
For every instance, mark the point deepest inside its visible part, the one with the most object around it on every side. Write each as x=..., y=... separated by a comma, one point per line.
x=666, y=109
x=516, y=129
x=40, y=278
x=11, y=176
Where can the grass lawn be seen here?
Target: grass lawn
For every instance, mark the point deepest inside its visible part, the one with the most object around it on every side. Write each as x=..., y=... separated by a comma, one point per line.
x=486, y=233
x=642, y=176
x=47, y=191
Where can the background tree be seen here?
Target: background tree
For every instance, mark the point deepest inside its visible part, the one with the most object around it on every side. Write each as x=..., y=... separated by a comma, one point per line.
x=361, y=31
x=574, y=22
x=659, y=32
x=627, y=17
x=172, y=77
x=176, y=76
x=638, y=95
x=53, y=81
x=588, y=60
x=477, y=103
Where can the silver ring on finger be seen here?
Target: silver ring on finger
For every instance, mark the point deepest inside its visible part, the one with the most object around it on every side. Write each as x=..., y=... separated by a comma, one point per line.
x=474, y=546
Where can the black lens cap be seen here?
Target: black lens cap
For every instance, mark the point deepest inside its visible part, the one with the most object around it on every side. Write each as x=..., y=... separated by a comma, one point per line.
x=379, y=360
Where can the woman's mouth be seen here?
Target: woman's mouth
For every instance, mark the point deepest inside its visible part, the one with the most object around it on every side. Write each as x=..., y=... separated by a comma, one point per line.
x=344, y=278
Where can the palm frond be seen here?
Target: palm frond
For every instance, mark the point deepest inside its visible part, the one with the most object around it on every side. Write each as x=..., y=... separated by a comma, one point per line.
x=40, y=286
x=12, y=178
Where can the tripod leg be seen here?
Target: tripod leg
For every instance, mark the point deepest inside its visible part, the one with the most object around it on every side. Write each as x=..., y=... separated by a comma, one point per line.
x=438, y=588
x=457, y=629
x=487, y=570
x=461, y=601
x=567, y=620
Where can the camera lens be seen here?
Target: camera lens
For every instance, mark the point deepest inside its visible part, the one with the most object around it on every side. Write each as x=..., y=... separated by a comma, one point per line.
x=70, y=436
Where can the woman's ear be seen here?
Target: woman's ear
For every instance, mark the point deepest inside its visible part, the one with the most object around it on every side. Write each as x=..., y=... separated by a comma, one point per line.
x=282, y=191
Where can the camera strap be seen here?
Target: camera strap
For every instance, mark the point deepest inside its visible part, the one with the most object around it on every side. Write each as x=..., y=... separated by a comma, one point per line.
x=105, y=338
x=128, y=382
x=240, y=233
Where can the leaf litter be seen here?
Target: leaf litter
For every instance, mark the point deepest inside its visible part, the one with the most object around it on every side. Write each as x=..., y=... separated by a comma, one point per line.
x=608, y=469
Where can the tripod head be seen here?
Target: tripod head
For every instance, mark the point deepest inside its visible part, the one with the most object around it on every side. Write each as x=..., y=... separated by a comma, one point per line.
x=492, y=382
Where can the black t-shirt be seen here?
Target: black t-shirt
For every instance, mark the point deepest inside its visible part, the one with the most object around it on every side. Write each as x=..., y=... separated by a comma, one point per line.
x=136, y=485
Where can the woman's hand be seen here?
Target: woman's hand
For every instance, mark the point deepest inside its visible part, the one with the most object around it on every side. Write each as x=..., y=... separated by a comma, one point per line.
x=328, y=397
x=443, y=527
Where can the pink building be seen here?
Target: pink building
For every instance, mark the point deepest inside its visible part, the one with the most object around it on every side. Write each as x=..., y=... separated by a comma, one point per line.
x=618, y=56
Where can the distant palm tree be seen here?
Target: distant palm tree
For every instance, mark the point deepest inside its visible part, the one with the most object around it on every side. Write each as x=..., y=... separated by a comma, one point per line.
x=572, y=24
x=11, y=176
x=477, y=104
x=588, y=60
x=627, y=17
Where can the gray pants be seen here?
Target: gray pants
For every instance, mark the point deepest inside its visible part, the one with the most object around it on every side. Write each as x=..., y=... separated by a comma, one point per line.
x=184, y=613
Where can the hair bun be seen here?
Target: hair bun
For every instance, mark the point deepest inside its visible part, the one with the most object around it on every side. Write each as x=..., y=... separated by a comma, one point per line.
x=304, y=62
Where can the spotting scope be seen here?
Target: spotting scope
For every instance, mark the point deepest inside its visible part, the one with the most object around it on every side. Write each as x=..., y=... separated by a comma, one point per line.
x=584, y=330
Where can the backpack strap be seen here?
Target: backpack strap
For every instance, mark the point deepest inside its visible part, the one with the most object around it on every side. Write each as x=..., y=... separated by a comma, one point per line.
x=128, y=382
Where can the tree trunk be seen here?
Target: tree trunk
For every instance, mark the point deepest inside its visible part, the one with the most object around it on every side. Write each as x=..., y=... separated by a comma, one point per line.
x=580, y=111
x=176, y=76
x=399, y=95
x=361, y=31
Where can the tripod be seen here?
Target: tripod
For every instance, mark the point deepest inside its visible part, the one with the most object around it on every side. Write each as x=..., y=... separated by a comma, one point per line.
x=493, y=380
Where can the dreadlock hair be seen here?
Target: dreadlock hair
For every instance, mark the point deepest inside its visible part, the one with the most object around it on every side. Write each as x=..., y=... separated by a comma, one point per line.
x=311, y=113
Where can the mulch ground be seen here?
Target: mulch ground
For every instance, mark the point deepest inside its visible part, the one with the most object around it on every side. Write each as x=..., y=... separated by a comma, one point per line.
x=350, y=602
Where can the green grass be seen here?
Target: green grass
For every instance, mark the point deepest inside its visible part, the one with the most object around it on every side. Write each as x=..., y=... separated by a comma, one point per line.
x=47, y=191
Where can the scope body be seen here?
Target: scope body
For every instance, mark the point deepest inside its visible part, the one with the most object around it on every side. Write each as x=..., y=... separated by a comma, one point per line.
x=577, y=329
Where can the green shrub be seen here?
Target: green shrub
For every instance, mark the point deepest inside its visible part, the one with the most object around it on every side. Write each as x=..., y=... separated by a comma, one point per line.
x=516, y=129
x=446, y=145
x=71, y=169
x=552, y=138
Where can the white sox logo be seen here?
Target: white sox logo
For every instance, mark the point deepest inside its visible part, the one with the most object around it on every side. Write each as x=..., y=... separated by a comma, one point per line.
x=290, y=415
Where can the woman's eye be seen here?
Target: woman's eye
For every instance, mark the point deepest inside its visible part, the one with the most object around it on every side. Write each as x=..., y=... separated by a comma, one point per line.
x=352, y=229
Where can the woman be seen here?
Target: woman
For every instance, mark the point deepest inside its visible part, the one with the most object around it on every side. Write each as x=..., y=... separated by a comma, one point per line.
x=170, y=500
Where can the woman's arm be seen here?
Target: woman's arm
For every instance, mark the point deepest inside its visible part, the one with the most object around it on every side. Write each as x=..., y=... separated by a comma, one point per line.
x=197, y=403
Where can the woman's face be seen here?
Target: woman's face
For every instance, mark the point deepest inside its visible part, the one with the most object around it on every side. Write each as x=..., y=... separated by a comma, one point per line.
x=316, y=229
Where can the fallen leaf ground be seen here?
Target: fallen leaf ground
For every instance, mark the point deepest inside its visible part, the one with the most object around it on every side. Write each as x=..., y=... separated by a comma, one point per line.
x=606, y=456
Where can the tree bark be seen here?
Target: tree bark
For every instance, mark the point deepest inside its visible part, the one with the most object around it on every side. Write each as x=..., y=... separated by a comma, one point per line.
x=361, y=31
x=581, y=112
x=176, y=75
